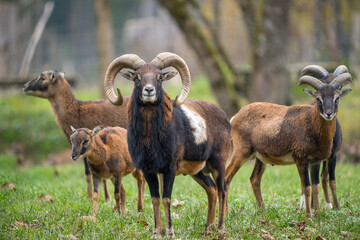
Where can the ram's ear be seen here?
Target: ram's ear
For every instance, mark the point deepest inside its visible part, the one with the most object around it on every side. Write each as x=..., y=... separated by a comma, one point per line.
x=168, y=75
x=128, y=74
x=72, y=129
x=96, y=130
x=54, y=76
x=61, y=75
x=310, y=92
x=345, y=92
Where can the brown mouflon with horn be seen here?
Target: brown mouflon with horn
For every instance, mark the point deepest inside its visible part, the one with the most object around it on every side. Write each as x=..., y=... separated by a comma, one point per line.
x=328, y=170
x=281, y=135
x=169, y=138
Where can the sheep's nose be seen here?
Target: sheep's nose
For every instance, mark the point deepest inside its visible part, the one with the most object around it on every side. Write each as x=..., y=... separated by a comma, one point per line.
x=328, y=113
x=73, y=156
x=149, y=89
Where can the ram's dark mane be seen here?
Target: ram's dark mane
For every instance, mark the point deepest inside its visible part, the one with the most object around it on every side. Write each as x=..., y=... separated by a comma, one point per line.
x=149, y=155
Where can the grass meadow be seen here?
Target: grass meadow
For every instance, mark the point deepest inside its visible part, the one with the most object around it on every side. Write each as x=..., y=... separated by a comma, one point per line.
x=42, y=201
x=47, y=202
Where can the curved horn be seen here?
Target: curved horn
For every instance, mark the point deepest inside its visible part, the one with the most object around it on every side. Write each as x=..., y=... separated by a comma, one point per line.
x=341, y=80
x=341, y=69
x=167, y=59
x=316, y=70
x=312, y=81
x=132, y=61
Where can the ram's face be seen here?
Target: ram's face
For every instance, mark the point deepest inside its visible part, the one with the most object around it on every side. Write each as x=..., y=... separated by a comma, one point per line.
x=328, y=99
x=80, y=142
x=44, y=85
x=148, y=82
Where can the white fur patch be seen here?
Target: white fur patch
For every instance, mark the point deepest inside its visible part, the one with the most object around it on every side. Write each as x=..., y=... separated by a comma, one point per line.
x=329, y=206
x=197, y=123
x=302, y=201
x=283, y=160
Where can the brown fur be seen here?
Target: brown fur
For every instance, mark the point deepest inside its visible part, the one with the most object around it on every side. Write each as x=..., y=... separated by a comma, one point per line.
x=71, y=112
x=272, y=131
x=111, y=160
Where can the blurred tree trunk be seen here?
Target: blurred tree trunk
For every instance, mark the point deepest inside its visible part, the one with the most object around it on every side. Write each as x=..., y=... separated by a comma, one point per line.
x=34, y=40
x=342, y=13
x=218, y=71
x=270, y=78
x=105, y=38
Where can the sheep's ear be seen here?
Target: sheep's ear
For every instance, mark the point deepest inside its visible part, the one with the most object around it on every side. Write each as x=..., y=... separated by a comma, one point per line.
x=54, y=76
x=128, y=74
x=310, y=92
x=73, y=129
x=168, y=75
x=96, y=130
x=344, y=92
x=61, y=74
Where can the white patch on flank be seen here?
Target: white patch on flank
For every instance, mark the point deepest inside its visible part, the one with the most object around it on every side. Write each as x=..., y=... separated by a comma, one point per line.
x=302, y=201
x=197, y=123
x=329, y=206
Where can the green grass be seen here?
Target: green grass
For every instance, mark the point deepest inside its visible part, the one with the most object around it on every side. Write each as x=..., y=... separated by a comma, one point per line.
x=24, y=217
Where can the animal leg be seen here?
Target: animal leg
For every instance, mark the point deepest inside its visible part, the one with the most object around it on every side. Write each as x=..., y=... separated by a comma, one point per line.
x=303, y=170
x=123, y=199
x=106, y=190
x=153, y=182
x=168, y=183
x=241, y=153
x=314, y=171
x=236, y=161
x=324, y=184
x=88, y=179
x=255, y=180
x=208, y=184
x=97, y=185
x=141, y=188
x=331, y=168
x=217, y=162
x=119, y=194
x=161, y=177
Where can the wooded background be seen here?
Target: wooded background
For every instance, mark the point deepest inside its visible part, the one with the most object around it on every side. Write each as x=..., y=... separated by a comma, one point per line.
x=249, y=50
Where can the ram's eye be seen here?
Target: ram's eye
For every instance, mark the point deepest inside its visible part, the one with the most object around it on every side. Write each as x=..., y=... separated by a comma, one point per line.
x=85, y=142
x=136, y=78
x=319, y=100
x=337, y=100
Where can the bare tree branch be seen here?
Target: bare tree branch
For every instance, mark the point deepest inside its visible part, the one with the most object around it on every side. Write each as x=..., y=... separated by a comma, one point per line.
x=39, y=28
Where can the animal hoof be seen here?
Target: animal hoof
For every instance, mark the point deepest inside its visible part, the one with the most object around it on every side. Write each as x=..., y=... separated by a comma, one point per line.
x=329, y=206
x=88, y=218
x=302, y=201
x=210, y=228
x=157, y=234
x=170, y=233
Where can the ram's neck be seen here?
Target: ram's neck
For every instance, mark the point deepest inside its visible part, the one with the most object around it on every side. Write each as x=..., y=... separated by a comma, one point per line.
x=64, y=104
x=324, y=129
x=148, y=121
